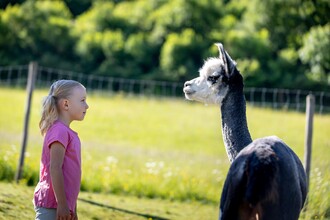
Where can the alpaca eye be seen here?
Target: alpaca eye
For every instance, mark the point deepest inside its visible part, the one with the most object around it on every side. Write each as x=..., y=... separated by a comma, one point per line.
x=213, y=79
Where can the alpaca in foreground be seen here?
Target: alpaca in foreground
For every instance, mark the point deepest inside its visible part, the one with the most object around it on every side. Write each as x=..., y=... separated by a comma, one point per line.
x=266, y=180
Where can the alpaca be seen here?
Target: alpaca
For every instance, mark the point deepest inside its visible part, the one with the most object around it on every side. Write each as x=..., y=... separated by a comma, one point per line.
x=266, y=179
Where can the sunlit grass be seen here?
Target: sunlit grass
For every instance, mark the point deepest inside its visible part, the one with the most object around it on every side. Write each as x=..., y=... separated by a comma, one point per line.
x=164, y=148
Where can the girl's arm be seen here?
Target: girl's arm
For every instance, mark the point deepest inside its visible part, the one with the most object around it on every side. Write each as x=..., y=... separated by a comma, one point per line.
x=75, y=216
x=57, y=152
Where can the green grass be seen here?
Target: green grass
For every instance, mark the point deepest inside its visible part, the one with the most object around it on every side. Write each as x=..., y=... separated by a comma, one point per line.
x=15, y=203
x=164, y=149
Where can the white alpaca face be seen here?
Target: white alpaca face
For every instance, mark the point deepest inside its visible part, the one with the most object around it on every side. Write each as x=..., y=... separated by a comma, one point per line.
x=208, y=87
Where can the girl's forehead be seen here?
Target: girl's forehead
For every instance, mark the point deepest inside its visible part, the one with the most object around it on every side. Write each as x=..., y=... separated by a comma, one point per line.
x=79, y=90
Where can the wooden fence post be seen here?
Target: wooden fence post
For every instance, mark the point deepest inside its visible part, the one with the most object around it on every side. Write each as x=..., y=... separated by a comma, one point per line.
x=33, y=68
x=310, y=108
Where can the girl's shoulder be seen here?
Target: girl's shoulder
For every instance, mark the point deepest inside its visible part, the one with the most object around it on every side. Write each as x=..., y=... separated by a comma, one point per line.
x=57, y=125
x=61, y=133
x=60, y=127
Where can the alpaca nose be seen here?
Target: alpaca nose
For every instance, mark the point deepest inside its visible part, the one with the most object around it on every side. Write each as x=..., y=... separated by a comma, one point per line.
x=188, y=83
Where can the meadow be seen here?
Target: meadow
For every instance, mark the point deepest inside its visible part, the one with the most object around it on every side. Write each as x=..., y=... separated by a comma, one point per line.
x=159, y=149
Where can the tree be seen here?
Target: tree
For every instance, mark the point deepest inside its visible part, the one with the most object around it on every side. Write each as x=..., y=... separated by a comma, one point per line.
x=181, y=55
x=37, y=31
x=168, y=40
x=315, y=53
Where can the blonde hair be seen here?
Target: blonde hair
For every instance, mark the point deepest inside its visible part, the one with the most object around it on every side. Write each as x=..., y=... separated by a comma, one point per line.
x=60, y=89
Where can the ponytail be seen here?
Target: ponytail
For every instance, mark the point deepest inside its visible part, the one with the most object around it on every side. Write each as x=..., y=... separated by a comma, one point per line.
x=49, y=113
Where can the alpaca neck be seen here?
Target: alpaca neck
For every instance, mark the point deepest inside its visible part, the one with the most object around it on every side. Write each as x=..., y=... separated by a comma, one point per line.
x=235, y=131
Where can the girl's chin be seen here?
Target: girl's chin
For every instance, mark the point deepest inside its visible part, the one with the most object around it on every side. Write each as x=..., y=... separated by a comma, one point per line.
x=80, y=119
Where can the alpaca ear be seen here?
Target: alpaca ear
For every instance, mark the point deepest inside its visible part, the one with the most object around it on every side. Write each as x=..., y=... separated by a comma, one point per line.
x=229, y=63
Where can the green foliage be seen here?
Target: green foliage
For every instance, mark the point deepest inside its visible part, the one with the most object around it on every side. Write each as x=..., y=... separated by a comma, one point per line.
x=168, y=40
x=174, y=61
x=315, y=52
x=7, y=171
x=36, y=29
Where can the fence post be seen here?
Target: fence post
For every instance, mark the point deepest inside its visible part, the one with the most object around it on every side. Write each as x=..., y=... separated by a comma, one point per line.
x=321, y=102
x=263, y=97
x=33, y=68
x=310, y=108
x=252, y=96
x=297, y=101
x=274, y=98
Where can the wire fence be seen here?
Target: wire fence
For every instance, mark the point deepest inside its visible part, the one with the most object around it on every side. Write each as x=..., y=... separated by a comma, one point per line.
x=16, y=76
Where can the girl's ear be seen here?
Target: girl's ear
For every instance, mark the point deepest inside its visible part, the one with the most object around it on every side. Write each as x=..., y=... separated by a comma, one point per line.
x=64, y=104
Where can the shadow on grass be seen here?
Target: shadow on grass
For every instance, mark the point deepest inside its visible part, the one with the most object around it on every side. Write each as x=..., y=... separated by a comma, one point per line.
x=122, y=210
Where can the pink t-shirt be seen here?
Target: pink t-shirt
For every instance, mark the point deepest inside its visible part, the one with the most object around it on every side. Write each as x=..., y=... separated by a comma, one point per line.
x=44, y=194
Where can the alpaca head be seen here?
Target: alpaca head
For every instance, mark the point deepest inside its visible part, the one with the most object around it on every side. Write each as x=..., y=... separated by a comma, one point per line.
x=216, y=77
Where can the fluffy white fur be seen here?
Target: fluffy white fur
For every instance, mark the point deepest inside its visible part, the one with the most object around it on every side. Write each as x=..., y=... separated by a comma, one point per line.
x=199, y=89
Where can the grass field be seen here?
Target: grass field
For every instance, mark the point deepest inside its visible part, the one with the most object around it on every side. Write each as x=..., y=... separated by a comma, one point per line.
x=15, y=203
x=165, y=150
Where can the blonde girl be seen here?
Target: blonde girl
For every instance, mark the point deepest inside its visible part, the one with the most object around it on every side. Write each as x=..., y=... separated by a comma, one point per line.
x=55, y=196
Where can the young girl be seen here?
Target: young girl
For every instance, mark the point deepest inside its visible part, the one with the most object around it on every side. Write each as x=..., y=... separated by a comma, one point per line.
x=56, y=194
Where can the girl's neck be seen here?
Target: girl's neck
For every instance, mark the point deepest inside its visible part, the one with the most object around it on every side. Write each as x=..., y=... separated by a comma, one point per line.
x=235, y=131
x=64, y=120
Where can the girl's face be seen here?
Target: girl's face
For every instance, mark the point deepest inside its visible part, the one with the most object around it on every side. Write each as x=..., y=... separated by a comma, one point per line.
x=77, y=105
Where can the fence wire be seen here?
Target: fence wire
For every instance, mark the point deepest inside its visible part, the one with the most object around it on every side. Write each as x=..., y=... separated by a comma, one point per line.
x=16, y=76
